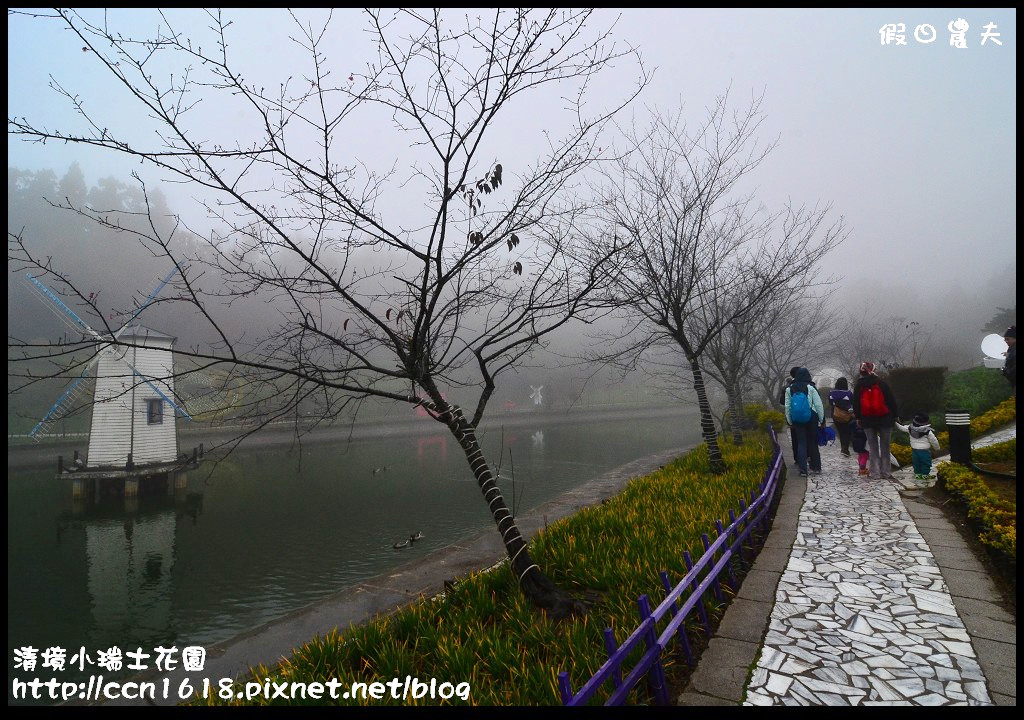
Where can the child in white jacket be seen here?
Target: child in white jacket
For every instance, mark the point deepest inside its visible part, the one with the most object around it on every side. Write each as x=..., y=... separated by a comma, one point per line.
x=922, y=440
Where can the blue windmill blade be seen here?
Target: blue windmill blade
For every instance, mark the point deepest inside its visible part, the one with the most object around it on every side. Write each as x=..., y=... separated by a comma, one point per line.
x=69, y=316
x=66, y=313
x=146, y=302
x=158, y=391
x=64, y=402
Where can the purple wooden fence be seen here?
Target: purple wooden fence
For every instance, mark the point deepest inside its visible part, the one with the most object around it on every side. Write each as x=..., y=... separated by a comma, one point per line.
x=728, y=544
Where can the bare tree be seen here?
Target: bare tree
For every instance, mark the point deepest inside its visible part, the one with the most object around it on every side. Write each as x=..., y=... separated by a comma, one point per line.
x=728, y=363
x=890, y=341
x=411, y=284
x=799, y=330
x=699, y=258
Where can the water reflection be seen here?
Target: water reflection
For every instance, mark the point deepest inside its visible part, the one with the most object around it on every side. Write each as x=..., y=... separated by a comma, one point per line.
x=128, y=542
x=270, y=529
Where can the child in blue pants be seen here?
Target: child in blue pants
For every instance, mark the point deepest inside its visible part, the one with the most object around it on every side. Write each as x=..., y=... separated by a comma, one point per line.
x=922, y=442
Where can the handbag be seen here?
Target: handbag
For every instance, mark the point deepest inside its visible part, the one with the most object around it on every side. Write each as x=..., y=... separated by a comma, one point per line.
x=841, y=416
x=825, y=436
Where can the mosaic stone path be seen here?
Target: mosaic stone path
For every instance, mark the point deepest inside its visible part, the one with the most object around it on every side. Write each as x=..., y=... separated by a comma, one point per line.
x=862, y=615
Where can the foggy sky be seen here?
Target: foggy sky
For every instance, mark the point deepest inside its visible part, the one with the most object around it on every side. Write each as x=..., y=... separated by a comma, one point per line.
x=915, y=145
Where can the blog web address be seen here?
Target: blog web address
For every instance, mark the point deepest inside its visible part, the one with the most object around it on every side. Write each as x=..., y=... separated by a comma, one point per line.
x=98, y=689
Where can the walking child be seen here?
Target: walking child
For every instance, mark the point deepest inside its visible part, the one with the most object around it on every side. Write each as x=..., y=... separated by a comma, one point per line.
x=859, y=440
x=922, y=442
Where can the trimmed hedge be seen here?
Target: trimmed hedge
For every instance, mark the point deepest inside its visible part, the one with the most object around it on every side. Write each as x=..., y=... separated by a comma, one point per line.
x=996, y=453
x=996, y=517
x=918, y=389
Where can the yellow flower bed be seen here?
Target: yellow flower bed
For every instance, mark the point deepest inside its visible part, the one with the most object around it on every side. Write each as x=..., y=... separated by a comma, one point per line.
x=997, y=517
x=996, y=453
x=1002, y=414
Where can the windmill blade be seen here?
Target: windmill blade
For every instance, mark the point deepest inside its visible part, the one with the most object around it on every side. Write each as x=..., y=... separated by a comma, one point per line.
x=73, y=391
x=146, y=302
x=158, y=391
x=80, y=324
x=213, y=395
x=66, y=400
x=77, y=322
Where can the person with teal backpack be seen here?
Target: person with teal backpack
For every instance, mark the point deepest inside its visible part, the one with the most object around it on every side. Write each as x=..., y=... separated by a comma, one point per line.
x=805, y=412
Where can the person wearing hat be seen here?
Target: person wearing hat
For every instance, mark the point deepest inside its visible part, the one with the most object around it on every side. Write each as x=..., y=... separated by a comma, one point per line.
x=922, y=442
x=806, y=426
x=1010, y=366
x=874, y=406
x=782, y=401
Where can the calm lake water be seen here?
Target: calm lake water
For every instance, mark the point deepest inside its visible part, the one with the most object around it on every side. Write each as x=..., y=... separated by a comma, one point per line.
x=270, y=529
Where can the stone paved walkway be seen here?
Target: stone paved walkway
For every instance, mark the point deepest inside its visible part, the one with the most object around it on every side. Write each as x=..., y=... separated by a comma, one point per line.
x=862, y=597
x=862, y=615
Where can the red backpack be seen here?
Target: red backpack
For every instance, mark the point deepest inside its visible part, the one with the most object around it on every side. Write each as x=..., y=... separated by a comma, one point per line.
x=872, y=401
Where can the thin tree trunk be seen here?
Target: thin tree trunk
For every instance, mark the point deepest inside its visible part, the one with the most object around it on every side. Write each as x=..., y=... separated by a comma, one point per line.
x=707, y=420
x=735, y=412
x=537, y=586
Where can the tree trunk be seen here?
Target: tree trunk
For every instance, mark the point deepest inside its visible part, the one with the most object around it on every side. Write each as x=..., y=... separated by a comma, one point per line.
x=537, y=586
x=707, y=420
x=735, y=412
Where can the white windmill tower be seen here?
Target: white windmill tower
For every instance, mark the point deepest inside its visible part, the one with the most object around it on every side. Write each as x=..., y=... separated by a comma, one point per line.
x=133, y=413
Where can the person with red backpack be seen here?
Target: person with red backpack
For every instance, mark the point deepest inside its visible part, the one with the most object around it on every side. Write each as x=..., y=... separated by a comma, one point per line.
x=875, y=408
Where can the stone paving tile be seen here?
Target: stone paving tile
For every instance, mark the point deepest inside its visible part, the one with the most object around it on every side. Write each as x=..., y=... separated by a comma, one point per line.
x=862, y=615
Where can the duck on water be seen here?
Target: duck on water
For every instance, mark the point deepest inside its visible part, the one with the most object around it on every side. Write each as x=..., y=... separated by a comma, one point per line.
x=407, y=543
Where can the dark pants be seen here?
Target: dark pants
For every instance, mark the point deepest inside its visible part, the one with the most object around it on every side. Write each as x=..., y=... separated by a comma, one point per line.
x=807, y=446
x=844, y=431
x=792, y=437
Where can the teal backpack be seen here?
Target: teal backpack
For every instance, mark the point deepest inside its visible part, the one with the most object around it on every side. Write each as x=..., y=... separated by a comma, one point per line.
x=799, y=405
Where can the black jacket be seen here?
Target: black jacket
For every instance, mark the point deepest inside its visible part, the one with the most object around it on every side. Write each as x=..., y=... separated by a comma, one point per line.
x=890, y=400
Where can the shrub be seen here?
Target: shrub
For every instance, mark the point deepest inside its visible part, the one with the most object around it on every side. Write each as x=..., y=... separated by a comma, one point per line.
x=996, y=453
x=975, y=390
x=771, y=418
x=996, y=517
x=751, y=415
x=918, y=389
x=1002, y=414
x=902, y=453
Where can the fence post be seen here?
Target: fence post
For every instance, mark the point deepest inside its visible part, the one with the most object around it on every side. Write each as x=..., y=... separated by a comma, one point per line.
x=726, y=554
x=656, y=675
x=701, y=610
x=714, y=583
x=611, y=646
x=673, y=610
x=736, y=530
x=564, y=687
x=760, y=518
